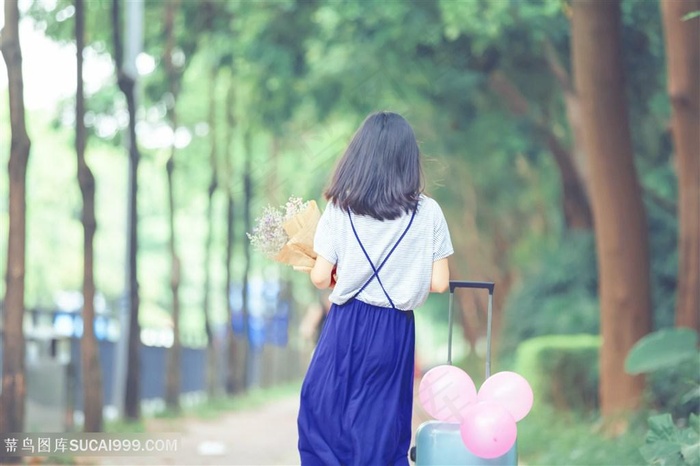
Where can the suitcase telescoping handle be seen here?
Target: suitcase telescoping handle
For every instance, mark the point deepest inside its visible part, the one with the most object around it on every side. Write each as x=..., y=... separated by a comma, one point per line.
x=454, y=284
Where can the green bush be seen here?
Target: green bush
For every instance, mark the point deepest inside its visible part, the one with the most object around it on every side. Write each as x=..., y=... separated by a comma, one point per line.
x=562, y=370
x=670, y=357
x=668, y=443
x=675, y=390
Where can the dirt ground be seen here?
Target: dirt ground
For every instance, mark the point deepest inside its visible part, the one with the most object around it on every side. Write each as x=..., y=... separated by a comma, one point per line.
x=265, y=435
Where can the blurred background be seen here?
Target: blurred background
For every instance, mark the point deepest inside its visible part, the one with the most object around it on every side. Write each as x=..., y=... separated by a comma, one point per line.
x=560, y=138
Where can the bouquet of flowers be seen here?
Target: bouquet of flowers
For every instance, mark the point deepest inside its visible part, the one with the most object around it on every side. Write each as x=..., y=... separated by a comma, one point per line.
x=286, y=234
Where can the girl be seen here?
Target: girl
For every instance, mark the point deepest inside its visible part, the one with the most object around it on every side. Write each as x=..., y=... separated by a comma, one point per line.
x=382, y=246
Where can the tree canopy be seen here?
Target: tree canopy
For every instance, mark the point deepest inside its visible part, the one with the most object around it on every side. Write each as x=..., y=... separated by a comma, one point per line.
x=279, y=87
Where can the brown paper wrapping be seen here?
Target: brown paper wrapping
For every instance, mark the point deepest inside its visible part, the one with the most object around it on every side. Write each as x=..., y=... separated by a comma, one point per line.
x=299, y=250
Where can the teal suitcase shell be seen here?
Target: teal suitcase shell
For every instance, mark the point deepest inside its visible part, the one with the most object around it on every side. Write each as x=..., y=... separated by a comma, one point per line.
x=440, y=443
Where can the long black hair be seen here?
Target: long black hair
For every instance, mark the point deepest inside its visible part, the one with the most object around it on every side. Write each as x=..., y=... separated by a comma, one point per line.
x=380, y=173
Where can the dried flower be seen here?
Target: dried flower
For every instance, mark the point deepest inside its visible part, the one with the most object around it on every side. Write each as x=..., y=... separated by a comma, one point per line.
x=268, y=235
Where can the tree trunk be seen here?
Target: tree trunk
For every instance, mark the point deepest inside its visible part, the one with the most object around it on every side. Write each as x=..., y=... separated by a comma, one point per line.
x=212, y=369
x=683, y=57
x=92, y=375
x=174, y=376
x=231, y=347
x=619, y=216
x=575, y=202
x=231, y=353
x=247, y=201
x=14, y=388
x=127, y=84
x=173, y=364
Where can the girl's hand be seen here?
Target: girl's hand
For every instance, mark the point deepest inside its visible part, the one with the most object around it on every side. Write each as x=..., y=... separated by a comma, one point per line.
x=322, y=273
x=334, y=277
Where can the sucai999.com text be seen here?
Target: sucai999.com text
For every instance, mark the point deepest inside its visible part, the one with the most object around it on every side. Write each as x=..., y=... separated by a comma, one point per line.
x=87, y=444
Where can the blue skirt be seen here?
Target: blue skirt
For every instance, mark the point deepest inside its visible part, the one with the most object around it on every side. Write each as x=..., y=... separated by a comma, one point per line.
x=357, y=396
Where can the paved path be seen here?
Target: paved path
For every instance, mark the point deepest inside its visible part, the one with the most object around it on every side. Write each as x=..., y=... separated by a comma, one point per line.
x=265, y=435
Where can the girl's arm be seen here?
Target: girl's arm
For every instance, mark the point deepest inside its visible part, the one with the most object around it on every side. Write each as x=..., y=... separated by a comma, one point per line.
x=441, y=276
x=322, y=273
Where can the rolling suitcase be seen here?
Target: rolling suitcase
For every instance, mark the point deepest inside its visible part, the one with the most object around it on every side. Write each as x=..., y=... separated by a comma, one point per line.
x=440, y=443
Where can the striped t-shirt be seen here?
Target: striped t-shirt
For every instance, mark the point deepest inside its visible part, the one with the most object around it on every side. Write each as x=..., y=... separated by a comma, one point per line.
x=406, y=275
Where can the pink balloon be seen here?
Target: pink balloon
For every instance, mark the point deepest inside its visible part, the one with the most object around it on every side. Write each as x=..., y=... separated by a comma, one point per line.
x=510, y=390
x=445, y=392
x=488, y=431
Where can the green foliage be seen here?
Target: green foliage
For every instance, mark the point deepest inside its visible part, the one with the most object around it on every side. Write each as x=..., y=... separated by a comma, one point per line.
x=644, y=61
x=125, y=426
x=550, y=437
x=670, y=357
x=663, y=240
x=559, y=294
x=562, y=370
x=661, y=349
x=304, y=74
x=675, y=389
x=668, y=444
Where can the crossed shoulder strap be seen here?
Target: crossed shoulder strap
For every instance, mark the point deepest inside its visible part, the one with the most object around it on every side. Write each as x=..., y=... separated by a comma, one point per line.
x=376, y=270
